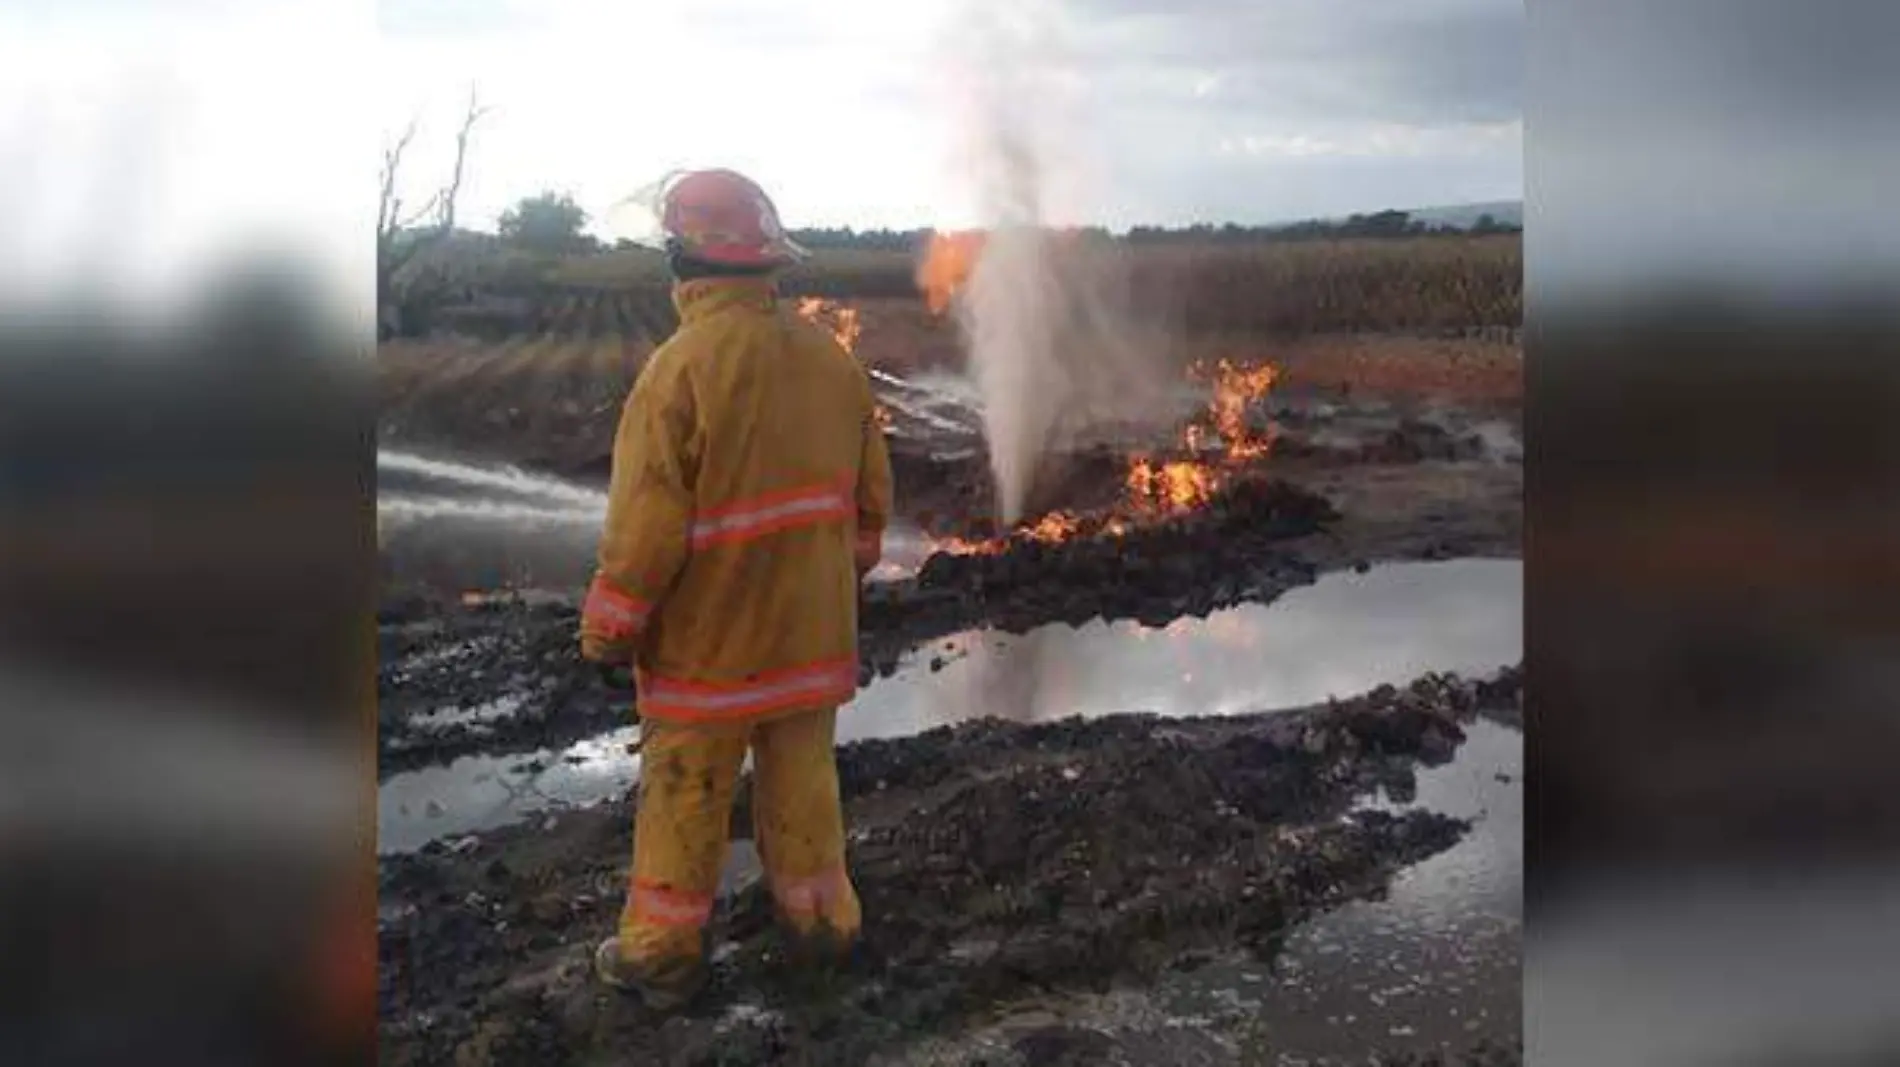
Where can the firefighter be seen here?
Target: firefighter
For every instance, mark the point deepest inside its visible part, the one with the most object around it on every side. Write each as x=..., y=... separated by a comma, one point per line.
x=749, y=495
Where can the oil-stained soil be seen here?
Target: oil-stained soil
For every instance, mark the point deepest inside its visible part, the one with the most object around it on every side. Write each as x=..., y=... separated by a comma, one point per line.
x=1000, y=864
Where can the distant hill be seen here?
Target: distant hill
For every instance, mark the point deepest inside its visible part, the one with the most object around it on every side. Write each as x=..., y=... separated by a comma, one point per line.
x=1508, y=212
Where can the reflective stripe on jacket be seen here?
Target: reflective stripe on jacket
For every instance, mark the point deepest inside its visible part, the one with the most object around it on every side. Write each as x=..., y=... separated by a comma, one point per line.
x=750, y=489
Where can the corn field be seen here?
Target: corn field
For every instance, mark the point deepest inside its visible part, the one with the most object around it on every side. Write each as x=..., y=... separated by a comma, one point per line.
x=1433, y=284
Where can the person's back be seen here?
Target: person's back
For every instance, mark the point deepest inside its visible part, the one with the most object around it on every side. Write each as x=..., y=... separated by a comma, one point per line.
x=779, y=420
x=750, y=491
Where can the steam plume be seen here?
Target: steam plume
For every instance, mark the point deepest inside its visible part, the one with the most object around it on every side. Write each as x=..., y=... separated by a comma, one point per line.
x=1043, y=314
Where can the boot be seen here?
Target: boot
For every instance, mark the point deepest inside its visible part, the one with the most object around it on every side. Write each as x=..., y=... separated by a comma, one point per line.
x=667, y=987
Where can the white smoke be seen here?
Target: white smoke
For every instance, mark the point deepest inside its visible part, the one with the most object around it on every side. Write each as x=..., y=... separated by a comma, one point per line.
x=1052, y=347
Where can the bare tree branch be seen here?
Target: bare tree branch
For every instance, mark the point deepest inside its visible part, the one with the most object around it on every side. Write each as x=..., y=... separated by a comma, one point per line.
x=446, y=221
x=398, y=244
x=389, y=206
x=398, y=241
x=423, y=212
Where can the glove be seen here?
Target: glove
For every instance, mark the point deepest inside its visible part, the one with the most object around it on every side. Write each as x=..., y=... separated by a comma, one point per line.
x=616, y=676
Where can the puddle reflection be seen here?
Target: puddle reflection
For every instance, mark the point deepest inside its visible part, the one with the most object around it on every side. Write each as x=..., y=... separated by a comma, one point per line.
x=1345, y=634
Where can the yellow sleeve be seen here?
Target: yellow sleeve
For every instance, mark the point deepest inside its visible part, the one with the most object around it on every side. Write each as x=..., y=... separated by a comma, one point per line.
x=874, y=494
x=643, y=543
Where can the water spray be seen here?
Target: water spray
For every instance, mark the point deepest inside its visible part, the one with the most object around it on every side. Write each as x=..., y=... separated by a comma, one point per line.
x=1045, y=328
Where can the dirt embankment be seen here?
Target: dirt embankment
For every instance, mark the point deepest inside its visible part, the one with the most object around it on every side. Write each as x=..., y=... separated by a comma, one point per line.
x=998, y=863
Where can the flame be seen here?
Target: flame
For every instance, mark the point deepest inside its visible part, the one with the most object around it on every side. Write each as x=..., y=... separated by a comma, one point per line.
x=1157, y=488
x=840, y=319
x=1054, y=527
x=948, y=260
x=1234, y=389
x=963, y=546
x=1169, y=488
x=843, y=322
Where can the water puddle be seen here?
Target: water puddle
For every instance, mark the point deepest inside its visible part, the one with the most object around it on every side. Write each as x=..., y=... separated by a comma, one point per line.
x=478, y=793
x=1345, y=634
x=1435, y=965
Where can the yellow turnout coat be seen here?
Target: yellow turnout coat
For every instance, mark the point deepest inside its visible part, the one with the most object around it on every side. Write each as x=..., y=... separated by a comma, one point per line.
x=750, y=491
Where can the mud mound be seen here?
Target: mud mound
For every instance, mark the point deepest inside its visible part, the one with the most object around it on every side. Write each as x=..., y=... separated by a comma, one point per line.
x=1188, y=565
x=951, y=493
x=996, y=861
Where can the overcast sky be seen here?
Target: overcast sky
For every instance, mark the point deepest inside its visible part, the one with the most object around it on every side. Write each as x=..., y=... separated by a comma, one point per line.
x=862, y=112
x=143, y=137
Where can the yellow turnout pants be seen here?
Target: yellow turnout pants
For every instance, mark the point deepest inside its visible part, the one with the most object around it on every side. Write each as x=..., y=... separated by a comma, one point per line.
x=688, y=775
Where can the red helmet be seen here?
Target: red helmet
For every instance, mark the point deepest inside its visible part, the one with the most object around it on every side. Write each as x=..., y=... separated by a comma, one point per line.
x=720, y=216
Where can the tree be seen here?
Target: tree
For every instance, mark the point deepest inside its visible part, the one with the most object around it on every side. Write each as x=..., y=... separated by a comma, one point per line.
x=546, y=222
x=1487, y=223
x=400, y=237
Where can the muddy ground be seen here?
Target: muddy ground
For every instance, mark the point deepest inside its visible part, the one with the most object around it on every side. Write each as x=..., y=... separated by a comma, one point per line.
x=1007, y=868
x=1001, y=865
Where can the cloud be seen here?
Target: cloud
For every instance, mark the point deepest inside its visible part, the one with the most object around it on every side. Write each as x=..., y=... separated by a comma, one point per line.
x=1421, y=61
x=848, y=110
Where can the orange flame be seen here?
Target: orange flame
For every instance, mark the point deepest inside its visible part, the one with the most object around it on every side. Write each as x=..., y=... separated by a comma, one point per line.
x=1234, y=389
x=1169, y=488
x=946, y=266
x=843, y=322
x=840, y=319
x=1053, y=527
x=963, y=546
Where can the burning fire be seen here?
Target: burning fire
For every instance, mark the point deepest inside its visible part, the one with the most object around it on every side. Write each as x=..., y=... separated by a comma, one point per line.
x=1234, y=389
x=1156, y=487
x=963, y=546
x=1161, y=488
x=947, y=263
x=1166, y=488
x=842, y=320
x=1054, y=527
